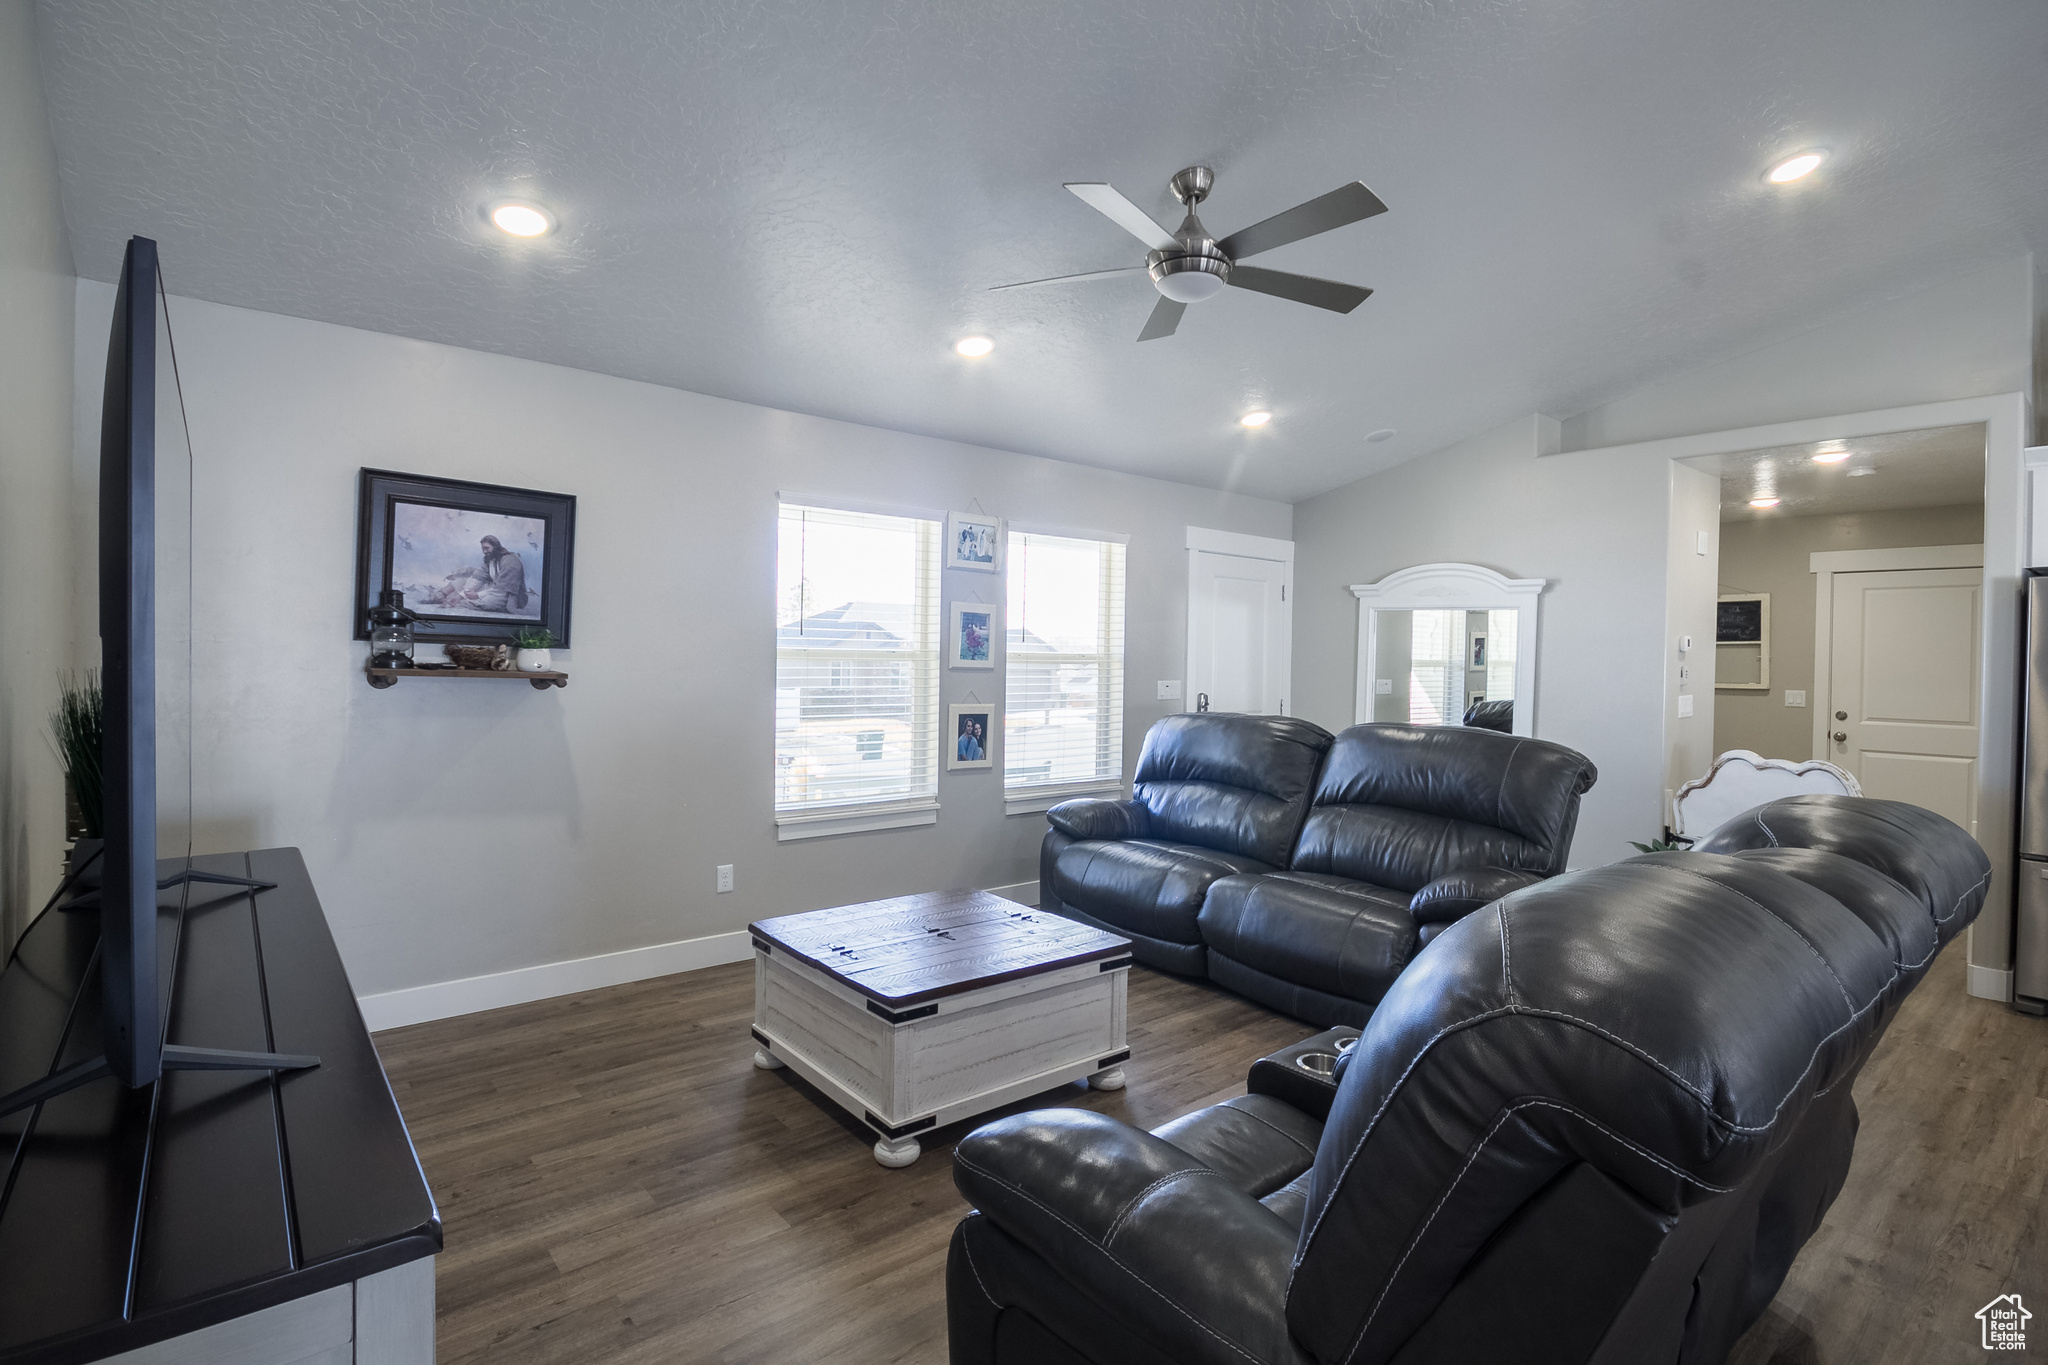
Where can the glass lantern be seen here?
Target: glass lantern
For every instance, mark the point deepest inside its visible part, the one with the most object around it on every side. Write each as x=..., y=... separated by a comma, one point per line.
x=391, y=639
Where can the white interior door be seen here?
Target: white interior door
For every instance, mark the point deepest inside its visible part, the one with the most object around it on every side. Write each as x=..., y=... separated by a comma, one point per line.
x=1903, y=675
x=1240, y=623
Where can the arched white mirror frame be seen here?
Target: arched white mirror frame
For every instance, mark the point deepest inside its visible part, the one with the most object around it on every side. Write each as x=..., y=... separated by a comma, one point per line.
x=1451, y=587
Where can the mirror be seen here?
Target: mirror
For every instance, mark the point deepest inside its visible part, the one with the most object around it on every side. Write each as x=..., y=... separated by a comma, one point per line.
x=1448, y=644
x=1439, y=667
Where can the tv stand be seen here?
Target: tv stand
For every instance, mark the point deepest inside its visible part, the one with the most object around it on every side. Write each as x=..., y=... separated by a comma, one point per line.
x=232, y=1198
x=171, y=1057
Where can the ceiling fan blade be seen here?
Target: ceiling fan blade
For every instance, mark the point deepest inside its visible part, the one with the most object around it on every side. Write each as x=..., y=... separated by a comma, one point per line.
x=1333, y=210
x=1106, y=201
x=1070, y=279
x=1338, y=298
x=1165, y=317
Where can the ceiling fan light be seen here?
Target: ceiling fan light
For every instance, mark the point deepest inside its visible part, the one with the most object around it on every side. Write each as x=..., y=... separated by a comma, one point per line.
x=1190, y=286
x=1255, y=419
x=1761, y=503
x=974, y=347
x=1831, y=457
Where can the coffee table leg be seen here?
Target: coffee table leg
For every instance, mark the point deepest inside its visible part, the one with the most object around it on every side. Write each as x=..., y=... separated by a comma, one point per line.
x=1110, y=1079
x=895, y=1152
x=766, y=1062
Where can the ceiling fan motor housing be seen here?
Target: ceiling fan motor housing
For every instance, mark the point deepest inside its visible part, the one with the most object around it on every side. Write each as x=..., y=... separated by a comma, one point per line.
x=1197, y=268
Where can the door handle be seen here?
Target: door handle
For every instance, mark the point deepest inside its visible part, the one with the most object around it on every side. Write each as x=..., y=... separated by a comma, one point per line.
x=1201, y=701
x=1841, y=737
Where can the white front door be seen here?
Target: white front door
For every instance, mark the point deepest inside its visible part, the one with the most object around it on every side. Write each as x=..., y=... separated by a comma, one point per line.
x=1240, y=623
x=1904, y=661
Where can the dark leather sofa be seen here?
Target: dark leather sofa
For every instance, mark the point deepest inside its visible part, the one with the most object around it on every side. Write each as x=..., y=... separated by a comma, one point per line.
x=1592, y=1124
x=1305, y=870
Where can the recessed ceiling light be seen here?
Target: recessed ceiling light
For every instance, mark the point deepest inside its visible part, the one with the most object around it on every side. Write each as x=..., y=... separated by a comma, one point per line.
x=521, y=218
x=1796, y=167
x=1830, y=456
x=1763, y=502
x=1255, y=419
x=1859, y=473
x=1383, y=434
x=974, y=347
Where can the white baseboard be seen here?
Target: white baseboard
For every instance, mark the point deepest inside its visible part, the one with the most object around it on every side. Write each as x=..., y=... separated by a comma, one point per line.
x=447, y=999
x=1990, y=983
x=1024, y=893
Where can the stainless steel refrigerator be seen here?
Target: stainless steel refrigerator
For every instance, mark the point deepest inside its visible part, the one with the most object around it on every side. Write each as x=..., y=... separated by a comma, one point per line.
x=2030, y=947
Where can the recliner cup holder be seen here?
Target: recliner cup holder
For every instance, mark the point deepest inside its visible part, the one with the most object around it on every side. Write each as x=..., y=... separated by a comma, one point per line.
x=1321, y=1065
x=1345, y=1045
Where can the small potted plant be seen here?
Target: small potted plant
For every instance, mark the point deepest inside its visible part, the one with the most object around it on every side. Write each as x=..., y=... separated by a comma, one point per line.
x=79, y=726
x=534, y=643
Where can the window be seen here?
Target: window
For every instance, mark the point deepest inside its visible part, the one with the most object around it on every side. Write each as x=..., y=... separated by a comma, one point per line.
x=1063, y=717
x=856, y=671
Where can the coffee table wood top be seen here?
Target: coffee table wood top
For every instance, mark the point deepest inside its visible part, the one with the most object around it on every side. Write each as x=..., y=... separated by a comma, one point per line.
x=910, y=949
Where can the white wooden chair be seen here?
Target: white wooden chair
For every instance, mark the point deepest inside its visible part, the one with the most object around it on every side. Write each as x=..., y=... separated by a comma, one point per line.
x=1741, y=780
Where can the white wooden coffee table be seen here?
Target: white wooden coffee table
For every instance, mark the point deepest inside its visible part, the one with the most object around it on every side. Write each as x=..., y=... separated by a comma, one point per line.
x=914, y=1012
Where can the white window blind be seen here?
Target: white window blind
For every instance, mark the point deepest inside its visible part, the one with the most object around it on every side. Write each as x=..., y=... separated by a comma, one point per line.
x=1063, y=711
x=1436, y=669
x=856, y=661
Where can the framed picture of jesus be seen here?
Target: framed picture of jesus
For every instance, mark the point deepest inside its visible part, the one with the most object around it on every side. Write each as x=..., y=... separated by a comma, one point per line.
x=476, y=561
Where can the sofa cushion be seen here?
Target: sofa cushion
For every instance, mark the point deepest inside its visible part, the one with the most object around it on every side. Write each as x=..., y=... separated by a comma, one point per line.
x=1331, y=934
x=1401, y=805
x=1146, y=885
x=1240, y=784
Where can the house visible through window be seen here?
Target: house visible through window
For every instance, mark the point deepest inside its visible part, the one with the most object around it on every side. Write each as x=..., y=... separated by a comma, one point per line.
x=1064, y=687
x=856, y=663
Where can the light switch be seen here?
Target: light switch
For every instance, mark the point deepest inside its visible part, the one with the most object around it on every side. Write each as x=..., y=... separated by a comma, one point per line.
x=1170, y=691
x=1383, y=687
x=1793, y=698
x=1684, y=672
x=1702, y=543
x=1684, y=705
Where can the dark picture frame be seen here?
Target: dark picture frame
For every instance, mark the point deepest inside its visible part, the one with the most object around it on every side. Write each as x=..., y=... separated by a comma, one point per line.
x=387, y=499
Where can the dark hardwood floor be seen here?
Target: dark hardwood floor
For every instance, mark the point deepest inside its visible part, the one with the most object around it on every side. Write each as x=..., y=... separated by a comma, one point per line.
x=620, y=1185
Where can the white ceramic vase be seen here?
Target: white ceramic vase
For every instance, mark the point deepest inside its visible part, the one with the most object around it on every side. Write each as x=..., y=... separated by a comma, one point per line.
x=536, y=660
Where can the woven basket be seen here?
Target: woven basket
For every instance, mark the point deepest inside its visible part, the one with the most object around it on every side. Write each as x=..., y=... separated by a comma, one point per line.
x=498, y=657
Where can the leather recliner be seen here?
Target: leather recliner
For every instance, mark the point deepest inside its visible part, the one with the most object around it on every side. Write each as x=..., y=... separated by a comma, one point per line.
x=1593, y=1123
x=1411, y=828
x=1215, y=796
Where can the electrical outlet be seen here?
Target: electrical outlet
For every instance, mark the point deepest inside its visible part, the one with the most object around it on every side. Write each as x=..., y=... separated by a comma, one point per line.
x=1383, y=687
x=1793, y=698
x=1169, y=691
x=725, y=876
x=1684, y=705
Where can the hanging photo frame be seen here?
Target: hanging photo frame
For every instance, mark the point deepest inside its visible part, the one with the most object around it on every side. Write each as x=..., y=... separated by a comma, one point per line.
x=971, y=636
x=974, y=542
x=972, y=741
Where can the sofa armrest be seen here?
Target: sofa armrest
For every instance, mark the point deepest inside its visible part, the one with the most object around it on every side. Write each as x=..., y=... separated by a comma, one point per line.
x=1091, y=817
x=1457, y=894
x=1137, y=1225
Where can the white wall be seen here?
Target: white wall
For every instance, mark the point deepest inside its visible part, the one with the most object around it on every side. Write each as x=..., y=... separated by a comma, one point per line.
x=1593, y=525
x=458, y=828
x=1689, y=601
x=35, y=449
x=1963, y=337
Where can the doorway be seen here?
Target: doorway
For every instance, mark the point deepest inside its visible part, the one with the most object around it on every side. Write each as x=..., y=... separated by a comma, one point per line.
x=1240, y=622
x=1851, y=607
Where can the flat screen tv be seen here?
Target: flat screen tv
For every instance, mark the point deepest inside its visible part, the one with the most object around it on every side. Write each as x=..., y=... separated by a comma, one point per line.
x=131, y=1005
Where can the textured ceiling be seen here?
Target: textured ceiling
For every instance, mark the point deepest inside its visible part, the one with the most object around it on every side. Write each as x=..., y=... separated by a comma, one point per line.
x=803, y=205
x=1937, y=467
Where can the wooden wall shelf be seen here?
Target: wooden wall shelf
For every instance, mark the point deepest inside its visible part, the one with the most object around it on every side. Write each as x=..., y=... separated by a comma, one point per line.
x=388, y=677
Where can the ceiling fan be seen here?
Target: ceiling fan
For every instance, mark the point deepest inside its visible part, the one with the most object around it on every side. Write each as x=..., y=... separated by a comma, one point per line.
x=1189, y=265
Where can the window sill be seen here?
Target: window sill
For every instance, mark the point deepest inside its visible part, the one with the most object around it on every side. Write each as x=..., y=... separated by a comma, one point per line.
x=854, y=820
x=1032, y=800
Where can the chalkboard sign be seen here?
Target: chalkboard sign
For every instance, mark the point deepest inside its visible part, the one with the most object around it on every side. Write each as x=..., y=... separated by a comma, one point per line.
x=1739, y=621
